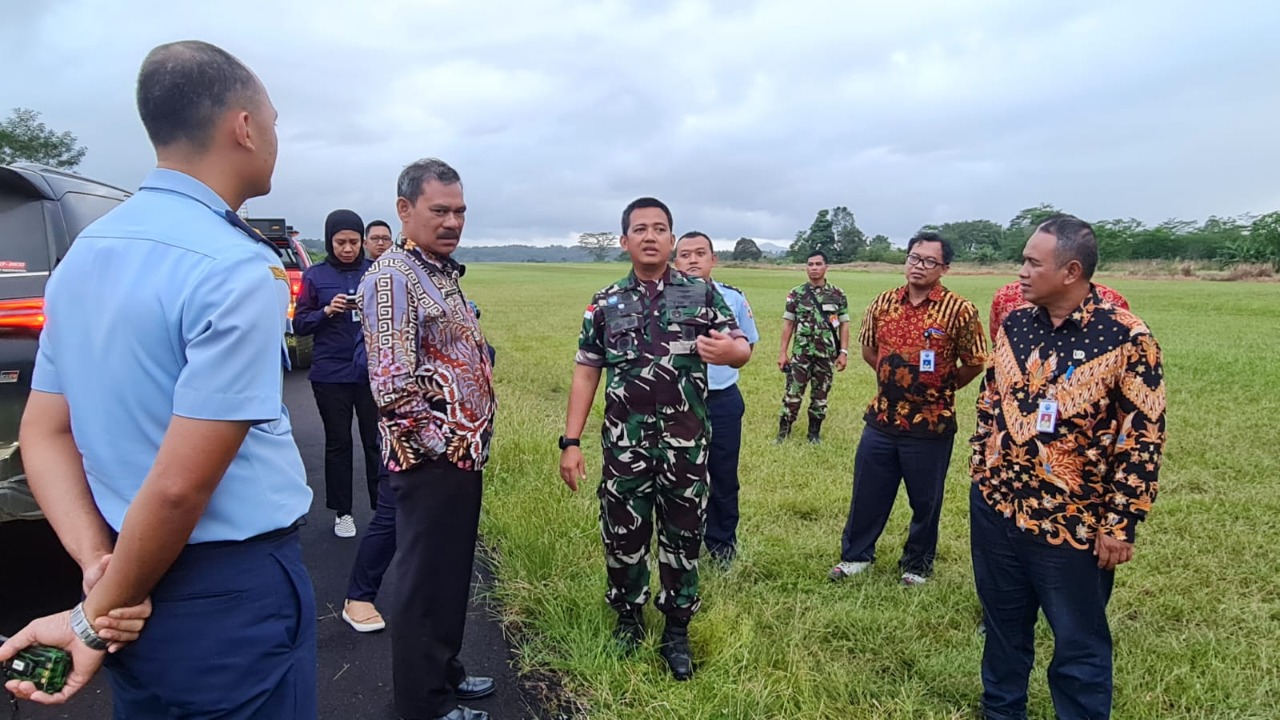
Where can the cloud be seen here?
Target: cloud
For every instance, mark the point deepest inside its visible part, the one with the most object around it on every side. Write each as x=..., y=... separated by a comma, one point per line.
x=745, y=117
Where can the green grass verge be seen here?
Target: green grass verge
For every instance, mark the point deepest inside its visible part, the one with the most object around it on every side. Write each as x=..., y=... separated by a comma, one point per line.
x=1196, y=616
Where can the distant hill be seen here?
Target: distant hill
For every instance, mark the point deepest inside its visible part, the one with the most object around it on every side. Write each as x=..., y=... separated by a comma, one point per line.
x=769, y=248
x=494, y=253
x=521, y=253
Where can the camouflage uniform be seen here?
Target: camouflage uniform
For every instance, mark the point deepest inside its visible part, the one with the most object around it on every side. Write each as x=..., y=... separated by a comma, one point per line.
x=817, y=316
x=655, y=431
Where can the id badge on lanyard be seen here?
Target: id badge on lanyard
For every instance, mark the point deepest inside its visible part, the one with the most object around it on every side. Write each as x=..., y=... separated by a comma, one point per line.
x=1047, y=414
x=928, y=360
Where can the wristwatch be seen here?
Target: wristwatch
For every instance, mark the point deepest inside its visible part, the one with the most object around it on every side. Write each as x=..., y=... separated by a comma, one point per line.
x=569, y=442
x=844, y=351
x=84, y=630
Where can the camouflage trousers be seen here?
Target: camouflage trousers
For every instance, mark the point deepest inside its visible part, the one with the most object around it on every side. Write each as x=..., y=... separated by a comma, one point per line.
x=806, y=369
x=637, y=481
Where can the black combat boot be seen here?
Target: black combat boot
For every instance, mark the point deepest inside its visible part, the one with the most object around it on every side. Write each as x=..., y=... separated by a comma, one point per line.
x=629, y=632
x=784, y=431
x=674, y=648
x=815, y=431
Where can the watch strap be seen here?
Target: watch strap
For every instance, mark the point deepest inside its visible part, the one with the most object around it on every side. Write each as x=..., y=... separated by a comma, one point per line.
x=84, y=630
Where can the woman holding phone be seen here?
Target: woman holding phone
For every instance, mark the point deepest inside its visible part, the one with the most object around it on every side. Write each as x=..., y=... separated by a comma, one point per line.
x=339, y=375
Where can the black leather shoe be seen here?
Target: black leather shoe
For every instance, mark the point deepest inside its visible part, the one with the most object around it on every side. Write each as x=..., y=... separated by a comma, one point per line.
x=463, y=712
x=629, y=632
x=474, y=688
x=674, y=648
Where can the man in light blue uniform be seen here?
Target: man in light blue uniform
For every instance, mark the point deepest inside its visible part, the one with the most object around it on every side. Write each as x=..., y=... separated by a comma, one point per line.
x=695, y=256
x=156, y=439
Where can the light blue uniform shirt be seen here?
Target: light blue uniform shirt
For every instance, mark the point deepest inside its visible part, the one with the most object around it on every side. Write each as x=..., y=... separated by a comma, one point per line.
x=163, y=308
x=720, y=377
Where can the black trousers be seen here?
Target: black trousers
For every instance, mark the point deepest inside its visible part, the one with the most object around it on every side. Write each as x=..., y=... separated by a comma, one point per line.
x=725, y=409
x=1017, y=574
x=881, y=463
x=336, y=403
x=437, y=513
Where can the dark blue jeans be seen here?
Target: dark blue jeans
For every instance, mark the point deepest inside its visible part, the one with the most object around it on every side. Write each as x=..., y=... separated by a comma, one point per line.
x=724, y=408
x=377, y=546
x=232, y=635
x=882, y=461
x=1018, y=574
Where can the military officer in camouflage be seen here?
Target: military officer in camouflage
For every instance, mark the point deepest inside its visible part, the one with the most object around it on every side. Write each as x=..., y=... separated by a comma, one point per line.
x=655, y=331
x=817, y=318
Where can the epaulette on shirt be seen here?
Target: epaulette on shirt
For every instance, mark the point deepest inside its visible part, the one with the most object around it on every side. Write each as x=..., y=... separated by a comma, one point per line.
x=740, y=291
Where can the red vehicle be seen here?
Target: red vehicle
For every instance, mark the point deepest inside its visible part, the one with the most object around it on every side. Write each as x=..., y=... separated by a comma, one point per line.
x=296, y=260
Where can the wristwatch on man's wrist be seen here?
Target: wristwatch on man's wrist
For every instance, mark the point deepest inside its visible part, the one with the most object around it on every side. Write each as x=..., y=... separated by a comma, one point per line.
x=83, y=629
x=566, y=443
x=844, y=351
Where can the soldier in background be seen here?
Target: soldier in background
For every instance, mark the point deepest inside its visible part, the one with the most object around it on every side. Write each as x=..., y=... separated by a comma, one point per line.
x=655, y=331
x=817, y=317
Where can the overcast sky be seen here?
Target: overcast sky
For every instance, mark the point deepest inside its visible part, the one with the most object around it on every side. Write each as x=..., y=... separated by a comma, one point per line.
x=745, y=117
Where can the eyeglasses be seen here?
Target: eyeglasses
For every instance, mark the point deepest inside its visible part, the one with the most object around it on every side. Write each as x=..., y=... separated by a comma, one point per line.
x=927, y=262
x=380, y=238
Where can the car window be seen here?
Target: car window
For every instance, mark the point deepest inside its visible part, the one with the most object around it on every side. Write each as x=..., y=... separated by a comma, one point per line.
x=287, y=256
x=24, y=242
x=79, y=210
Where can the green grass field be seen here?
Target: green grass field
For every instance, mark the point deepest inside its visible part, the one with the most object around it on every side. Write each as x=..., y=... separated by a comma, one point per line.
x=1196, y=615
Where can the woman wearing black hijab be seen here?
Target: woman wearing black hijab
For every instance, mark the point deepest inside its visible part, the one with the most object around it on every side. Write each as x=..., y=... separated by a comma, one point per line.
x=339, y=374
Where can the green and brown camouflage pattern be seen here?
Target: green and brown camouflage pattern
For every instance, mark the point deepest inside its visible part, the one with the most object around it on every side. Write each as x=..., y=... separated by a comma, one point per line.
x=802, y=370
x=655, y=431
x=818, y=316
x=637, y=481
x=818, y=313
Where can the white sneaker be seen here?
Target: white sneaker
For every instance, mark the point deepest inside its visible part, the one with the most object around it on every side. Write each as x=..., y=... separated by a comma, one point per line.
x=370, y=621
x=913, y=579
x=344, y=526
x=843, y=570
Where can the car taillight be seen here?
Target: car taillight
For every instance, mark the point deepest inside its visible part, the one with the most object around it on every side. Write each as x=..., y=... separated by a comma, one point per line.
x=22, y=314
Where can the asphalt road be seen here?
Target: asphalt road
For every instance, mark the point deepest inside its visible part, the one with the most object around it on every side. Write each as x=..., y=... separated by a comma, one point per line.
x=354, y=669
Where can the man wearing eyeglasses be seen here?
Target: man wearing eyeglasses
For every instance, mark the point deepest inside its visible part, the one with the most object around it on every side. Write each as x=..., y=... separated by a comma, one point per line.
x=924, y=342
x=377, y=239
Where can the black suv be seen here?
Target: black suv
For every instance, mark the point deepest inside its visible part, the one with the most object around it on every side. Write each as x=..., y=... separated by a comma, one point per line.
x=41, y=211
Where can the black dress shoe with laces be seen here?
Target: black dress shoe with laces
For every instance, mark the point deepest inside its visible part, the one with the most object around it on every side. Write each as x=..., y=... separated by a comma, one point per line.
x=474, y=688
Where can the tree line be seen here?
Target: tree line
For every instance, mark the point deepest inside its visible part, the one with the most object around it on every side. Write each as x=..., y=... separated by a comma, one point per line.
x=1226, y=240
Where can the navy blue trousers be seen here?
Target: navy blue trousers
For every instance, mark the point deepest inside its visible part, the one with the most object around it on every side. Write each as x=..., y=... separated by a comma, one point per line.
x=1018, y=574
x=377, y=546
x=232, y=636
x=882, y=461
x=725, y=409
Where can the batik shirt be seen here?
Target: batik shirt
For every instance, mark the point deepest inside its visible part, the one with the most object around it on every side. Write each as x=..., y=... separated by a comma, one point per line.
x=429, y=367
x=818, y=314
x=1096, y=471
x=644, y=334
x=1009, y=298
x=908, y=401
